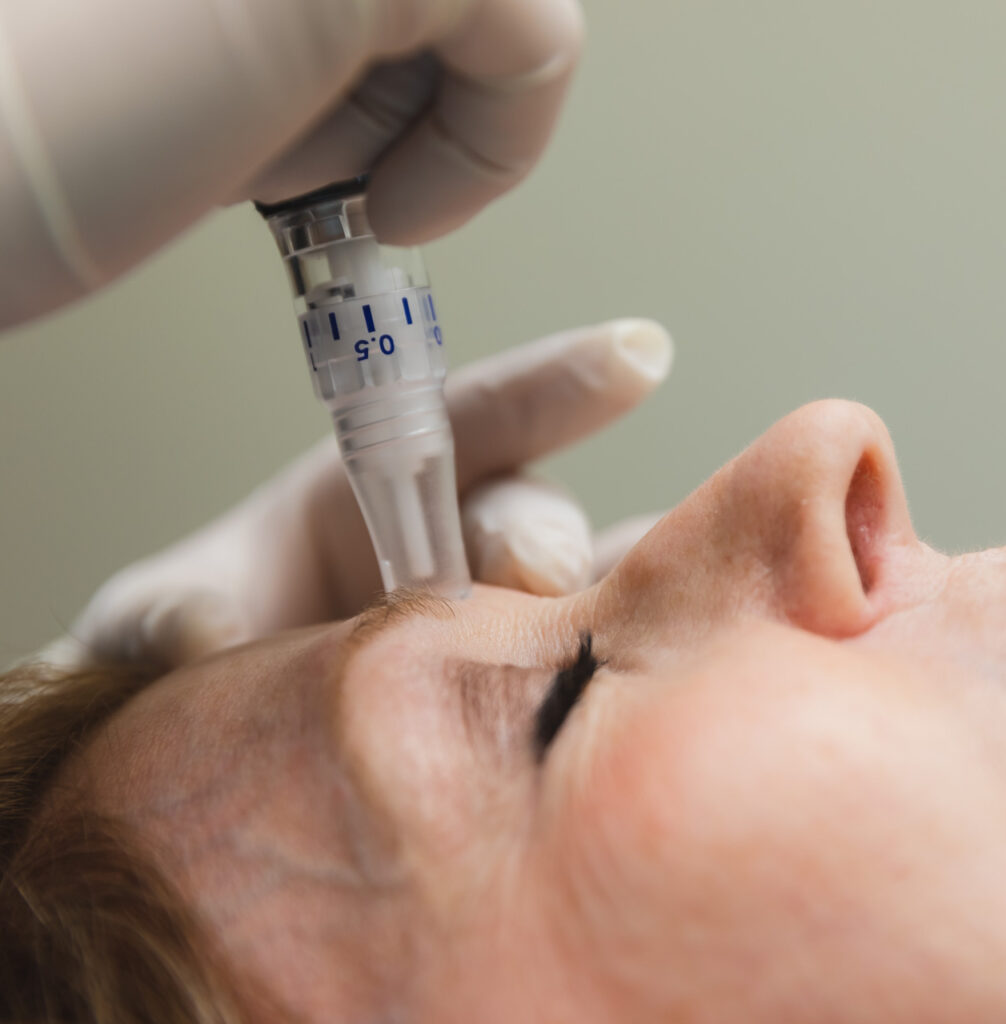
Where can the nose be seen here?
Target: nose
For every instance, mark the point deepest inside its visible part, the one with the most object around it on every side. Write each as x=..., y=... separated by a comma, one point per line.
x=802, y=526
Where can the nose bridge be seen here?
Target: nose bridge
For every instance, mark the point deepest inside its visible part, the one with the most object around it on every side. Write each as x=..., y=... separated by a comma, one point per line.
x=795, y=528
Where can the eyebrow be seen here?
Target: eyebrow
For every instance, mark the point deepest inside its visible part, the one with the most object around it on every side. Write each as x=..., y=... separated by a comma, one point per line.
x=389, y=609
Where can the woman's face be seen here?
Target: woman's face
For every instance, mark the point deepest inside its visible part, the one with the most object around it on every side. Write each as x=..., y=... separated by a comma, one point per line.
x=781, y=797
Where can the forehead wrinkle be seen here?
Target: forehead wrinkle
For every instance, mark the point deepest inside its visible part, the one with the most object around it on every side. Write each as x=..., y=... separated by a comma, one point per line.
x=384, y=612
x=382, y=839
x=496, y=703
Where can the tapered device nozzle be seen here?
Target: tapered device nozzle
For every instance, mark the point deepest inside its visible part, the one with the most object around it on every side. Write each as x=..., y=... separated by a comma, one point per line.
x=400, y=462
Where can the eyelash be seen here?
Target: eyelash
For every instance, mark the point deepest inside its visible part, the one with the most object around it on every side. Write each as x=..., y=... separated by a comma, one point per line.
x=566, y=689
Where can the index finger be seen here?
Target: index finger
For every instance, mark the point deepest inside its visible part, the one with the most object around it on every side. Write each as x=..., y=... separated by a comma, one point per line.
x=526, y=402
x=507, y=67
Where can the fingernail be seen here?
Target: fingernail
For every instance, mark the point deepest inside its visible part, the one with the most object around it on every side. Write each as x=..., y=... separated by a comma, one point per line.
x=66, y=653
x=550, y=561
x=528, y=534
x=645, y=347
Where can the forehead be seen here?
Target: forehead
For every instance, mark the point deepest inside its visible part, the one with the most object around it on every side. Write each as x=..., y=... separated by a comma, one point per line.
x=209, y=715
x=198, y=721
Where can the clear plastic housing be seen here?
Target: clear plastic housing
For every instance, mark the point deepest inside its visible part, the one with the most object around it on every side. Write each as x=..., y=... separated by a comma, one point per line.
x=374, y=346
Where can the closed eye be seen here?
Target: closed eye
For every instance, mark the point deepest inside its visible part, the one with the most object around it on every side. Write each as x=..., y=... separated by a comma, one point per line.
x=567, y=688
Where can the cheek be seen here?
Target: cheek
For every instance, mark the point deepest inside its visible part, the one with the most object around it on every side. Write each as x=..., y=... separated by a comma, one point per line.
x=763, y=841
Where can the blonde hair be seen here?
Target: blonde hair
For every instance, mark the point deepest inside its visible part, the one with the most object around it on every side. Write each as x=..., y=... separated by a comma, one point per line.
x=90, y=931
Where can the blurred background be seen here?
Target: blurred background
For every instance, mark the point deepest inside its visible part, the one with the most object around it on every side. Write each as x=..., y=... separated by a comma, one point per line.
x=809, y=195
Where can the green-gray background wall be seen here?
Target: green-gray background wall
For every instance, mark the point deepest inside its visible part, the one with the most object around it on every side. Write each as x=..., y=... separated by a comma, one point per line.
x=809, y=195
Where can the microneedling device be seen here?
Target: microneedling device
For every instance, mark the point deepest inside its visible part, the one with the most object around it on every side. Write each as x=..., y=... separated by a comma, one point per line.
x=369, y=328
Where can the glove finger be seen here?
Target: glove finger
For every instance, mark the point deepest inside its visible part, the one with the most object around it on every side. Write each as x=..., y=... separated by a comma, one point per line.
x=507, y=68
x=527, y=534
x=614, y=543
x=200, y=97
x=183, y=627
x=486, y=122
x=179, y=106
x=172, y=627
x=349, y=141
x=535, y=399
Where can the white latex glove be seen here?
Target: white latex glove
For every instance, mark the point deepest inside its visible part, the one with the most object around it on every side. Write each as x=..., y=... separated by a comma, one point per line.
x=123, y=121
x=297, y=551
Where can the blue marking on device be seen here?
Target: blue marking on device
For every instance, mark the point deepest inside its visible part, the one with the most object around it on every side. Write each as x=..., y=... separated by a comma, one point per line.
x=310, y=347
x=369, y=317
x=334, y=324
x=408, y=312
x=433, y=312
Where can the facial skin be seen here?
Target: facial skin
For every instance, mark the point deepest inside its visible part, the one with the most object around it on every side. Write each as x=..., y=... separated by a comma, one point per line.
x=781, y=799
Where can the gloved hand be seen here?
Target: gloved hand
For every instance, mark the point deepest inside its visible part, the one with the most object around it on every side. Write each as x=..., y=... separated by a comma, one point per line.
x=297, y=551
x=122, y=122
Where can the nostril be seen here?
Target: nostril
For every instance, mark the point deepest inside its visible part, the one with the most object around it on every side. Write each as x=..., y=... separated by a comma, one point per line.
x=864, y=509
x=823, y=492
